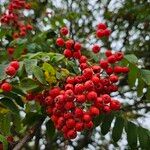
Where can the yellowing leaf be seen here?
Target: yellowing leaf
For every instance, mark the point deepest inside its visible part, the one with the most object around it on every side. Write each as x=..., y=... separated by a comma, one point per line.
x=49, y=68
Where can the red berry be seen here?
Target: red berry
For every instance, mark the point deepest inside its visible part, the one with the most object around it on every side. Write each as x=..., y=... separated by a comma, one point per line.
x=69, y=86
x=60, y=42
x=92, y=96
x=67, y=53
x=125, y=70
x=69, y=44
x=64, y=31
x=111, y=59
x=100, y=33
x=96, y=68
x=94, y=111
x=79, y=88
x=69, y=95
x=70, y=80
x=106, y=98
x=6, y=87
x=115, y=105
x=48, y=100
x=80, y=98
x=83, y=66
x=113, y=78
x=69, y=105
x=88, y=73
x=95, y=80
x=89, y=85
x=77, y=54
x=107, y=32
x=108, y=53
x=70, y=123
x=10, y=71
x=109, y=70
x=77, y=46
x=10, y=139
x=83, y=59
x=54, y=92
x=87, y=118
x=99, y=102
x=96, y=48
x=101, y=26
x=10, y=50
x=79, y=126
x=78, y=112
x=107, y=109
x=104, y=64
x=118, y=56
x=117, y=69
x=29, y=27
x=15, y=64
x=71, y=134
x=89, y=125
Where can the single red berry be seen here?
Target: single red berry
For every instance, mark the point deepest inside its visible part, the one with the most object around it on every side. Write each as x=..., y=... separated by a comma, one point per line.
x=60, y=42
x=96, y=48
x=70, y=80
x=96, y=68
x=106, y=98
x=71, y=134
x=80, y=98
x=83, y=59
x=89, y=85
x=69, y=105
x=69, y=86
x=78, y=112
x=92, y=96
x=111, y=59
x=95, y=80
x=94, y=111
x=70, y=123
x=87, y=118
x=77, y=54
x=69, y=95
x=106, y=109
x=10, y=50
x=119, y=56
x=117, y=69
x=69, y=44
x=99, y=102
x=102, y=26
x=22, y=33
x=79, y=126
x=108, y=53
x=29, y=27
x=6, y=87
x=10, y=139
x=79, y=88
x=100, y=33
x=15, y=64
x=10, y=71
x=64, y=31
x=109, y=70
x=68, y=115
x=125, y=70
x=48, y=100
x=104, y=64
x=61, y=121
x=54, y=92
x=107, y=32
x=77, y=46
x=88, y=73
x=89, y=125
x=67, y=53
x=113, y=78
x=83, y=66
x=115, y=105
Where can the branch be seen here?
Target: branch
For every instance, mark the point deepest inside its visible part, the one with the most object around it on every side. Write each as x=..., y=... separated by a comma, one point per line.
x=29, y=135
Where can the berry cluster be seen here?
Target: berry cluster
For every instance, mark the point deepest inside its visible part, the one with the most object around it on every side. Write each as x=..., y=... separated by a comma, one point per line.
x=16, y=20
x=11, y=71
x=85, y=96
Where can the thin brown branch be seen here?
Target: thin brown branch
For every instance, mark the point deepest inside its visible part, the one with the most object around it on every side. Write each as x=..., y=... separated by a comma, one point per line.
x=29, y=135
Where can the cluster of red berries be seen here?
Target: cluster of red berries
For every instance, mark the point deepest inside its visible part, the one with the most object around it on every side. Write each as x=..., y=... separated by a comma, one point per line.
x=11, y=71
x=12, y=18
x=85, y=96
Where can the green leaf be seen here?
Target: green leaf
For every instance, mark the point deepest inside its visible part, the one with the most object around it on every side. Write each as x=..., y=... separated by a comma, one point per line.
x=131, y=130
x=50, y=129
x=132, y=75
x=148, y=93
x=18, y=51
x=28, y=84
x=31, y=118
x=140, y=87
x=29, y=64
x=144, y=138
x=131, y=58
x=15, y=97
x=17, y=123
x=106, y=124
x=98, y=120
x=5, y=121
x=4, y=141
x=2, y=72
x=10, y=104
x=145, y=75
x=38, y=73
x=118, y=129
x=49, y=68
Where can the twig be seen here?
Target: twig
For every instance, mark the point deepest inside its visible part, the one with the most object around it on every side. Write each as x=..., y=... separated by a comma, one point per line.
x=29, y=135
